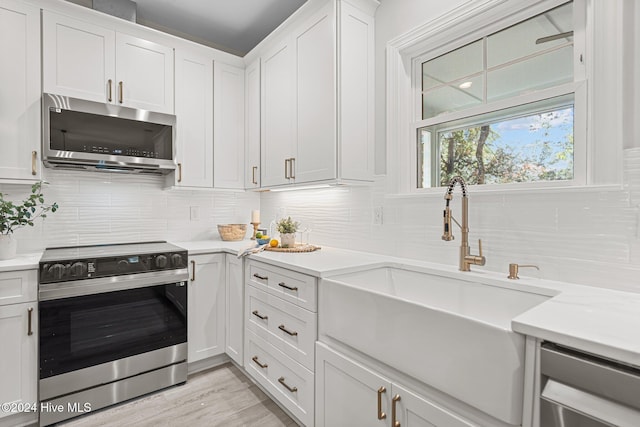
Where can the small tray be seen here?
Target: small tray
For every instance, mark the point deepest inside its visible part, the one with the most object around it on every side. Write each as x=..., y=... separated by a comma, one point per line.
x=299, y=247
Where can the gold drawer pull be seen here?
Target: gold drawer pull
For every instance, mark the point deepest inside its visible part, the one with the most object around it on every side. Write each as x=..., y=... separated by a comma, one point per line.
x=282, y=284
x=34, y=157
x=193, y=270
x=283, y=329
x=253, y=175
x=291, y=389
x=262, y=365
x=110, y=98
x=257, y=314
x=381, y=415
x=121, y=92
x=394, y=402
x=257, y=276
x=179, y=172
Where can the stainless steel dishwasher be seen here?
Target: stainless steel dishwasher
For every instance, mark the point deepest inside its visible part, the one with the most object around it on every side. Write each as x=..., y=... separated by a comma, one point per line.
x=583, y=390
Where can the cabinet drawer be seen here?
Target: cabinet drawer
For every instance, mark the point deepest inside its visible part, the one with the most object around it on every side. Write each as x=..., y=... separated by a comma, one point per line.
x=291, y=286
x=18, y=286
x=288, y=382
x=289, y=328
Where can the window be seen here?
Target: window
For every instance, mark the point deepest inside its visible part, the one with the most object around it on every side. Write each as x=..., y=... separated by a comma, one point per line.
x=503, y=108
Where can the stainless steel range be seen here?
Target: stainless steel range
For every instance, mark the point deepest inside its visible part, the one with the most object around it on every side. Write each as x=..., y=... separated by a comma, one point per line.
x=113, y=325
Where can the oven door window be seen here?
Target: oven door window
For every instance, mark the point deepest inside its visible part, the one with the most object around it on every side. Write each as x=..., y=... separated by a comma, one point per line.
x=84, y=331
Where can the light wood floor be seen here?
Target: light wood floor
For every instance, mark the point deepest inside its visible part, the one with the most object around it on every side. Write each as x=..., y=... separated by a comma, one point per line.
x=221, y=396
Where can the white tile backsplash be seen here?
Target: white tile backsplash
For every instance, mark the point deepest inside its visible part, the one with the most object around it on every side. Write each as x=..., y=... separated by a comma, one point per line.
x=97, y=208
x=587, y=236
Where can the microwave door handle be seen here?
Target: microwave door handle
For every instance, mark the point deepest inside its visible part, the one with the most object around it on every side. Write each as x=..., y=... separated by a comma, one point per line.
x=589, y=405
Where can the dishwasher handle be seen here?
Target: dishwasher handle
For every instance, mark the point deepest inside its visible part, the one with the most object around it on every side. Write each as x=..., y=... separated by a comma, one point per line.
x=590, y=405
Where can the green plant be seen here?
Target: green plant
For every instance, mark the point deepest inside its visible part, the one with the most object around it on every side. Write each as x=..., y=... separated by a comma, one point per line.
x=14, y=216
x=287, y=225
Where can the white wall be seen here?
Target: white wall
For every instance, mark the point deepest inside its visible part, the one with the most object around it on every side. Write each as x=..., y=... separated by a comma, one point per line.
x=587, y=236
x=97, y=208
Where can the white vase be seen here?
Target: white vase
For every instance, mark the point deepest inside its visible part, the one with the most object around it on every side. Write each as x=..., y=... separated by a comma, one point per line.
x=287, y=240
x=8, y=246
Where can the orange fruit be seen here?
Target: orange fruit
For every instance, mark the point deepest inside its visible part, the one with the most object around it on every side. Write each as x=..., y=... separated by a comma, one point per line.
x=274, y=243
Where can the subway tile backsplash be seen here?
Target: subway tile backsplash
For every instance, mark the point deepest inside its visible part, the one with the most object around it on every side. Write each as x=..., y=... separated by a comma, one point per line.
x=583, y=236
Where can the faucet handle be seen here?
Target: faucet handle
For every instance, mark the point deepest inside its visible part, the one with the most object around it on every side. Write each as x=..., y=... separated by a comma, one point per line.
x=480, y=247
x=513, y=269
x=481, y=260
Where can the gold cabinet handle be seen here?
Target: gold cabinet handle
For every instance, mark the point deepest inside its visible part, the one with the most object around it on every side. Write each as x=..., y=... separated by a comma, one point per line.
x=394, y=401
x=34, y=157
x=286, y=168
x=179, y=172
x=193, y=270
x=262, y=365
x=29, y=328
x=291, y=389
x=253, y=175
x=258, y=315
x=292, y=163
x=283, y=285
x=257, y=276
x=110, y=97
x=284, y=329
x=381, y=415
x=120, y=92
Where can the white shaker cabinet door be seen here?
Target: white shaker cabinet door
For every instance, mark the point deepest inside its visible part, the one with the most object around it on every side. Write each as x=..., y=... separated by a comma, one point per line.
x=348, y=394
x=194, y=115
x=277, y=119
x=252, y=125
x=228, y=126
x=206, y=306
x=19, y=369
x=315, y=158
x=144, y=72
x=78, y=58
x=20, y=91
x=234, y=309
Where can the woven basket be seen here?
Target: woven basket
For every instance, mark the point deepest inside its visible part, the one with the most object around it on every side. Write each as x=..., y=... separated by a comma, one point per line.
x=232, y=232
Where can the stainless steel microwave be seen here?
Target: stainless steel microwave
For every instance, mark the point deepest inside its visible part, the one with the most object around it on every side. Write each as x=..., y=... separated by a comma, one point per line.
x=80, y=134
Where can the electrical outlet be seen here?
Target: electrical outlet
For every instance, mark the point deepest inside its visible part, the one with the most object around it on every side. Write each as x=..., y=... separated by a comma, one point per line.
x=195, y=213
x=377, y=215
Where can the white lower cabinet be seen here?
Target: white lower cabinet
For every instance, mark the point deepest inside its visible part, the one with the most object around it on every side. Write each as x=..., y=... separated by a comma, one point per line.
x=206, y=306
x=234, y=336
x=19, y=349
x=280, y=334
x=350, y=394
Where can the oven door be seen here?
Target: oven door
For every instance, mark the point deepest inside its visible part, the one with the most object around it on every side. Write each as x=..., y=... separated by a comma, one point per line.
x=84, y=331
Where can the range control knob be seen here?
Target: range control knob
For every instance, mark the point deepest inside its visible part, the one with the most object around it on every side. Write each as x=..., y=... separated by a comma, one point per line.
x=161, y=261
x=78, y=269
x=123, y=264
x=56, y=271
x=177, y=261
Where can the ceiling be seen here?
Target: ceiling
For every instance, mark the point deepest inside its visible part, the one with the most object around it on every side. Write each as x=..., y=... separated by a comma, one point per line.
x=234, y=26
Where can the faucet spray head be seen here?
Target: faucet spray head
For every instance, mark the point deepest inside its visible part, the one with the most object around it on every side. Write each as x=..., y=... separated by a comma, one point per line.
x=447, y=235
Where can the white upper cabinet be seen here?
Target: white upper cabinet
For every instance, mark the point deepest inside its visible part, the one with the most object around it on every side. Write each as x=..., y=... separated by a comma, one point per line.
x=228, y=126
x=252, y=125
x=317, y=107
x=277, y=114
x=194, y=115
x=87, y=61
x=20, y=92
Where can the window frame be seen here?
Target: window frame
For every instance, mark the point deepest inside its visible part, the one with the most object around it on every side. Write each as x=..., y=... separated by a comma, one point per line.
x=601, y=76
x=578, y=88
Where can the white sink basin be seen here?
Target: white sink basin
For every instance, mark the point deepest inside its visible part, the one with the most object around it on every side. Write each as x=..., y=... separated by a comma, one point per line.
x=454, y=335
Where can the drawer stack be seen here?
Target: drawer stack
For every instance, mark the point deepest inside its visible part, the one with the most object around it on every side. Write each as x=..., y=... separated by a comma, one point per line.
x=281, y=330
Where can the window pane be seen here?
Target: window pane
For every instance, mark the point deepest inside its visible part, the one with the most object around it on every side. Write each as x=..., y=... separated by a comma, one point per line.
x=457, y=96
x=540, y=72
x=532, y=146
x=519, y=40
x=451, y=66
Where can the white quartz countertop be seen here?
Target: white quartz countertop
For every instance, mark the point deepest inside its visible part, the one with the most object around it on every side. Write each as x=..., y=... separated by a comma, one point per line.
x=21, y=262
x=596, y=320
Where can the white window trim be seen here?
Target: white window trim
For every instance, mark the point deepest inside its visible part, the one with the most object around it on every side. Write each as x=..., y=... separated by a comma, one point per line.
x=602, y=70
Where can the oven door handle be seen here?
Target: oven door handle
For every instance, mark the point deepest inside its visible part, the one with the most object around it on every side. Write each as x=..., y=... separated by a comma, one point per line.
x=53, y=291
x=590, y=405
